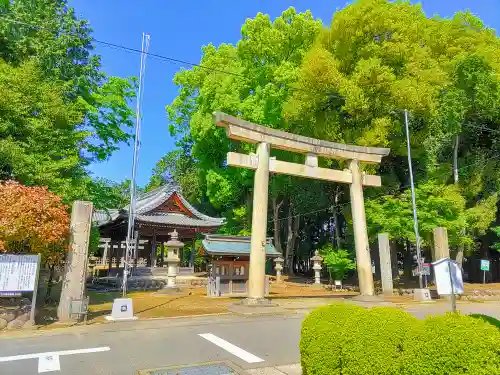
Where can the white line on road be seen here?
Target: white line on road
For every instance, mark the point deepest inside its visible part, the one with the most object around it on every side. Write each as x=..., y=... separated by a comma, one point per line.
x=49, y=361
x=233, y=349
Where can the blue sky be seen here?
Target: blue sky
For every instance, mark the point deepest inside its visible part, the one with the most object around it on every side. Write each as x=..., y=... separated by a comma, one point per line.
x=179, y=29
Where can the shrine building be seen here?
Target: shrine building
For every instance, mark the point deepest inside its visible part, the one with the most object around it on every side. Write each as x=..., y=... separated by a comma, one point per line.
x=158, y=213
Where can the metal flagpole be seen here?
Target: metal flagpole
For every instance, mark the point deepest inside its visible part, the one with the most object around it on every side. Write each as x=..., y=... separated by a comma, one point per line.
x=414, y=204
x=131, y=214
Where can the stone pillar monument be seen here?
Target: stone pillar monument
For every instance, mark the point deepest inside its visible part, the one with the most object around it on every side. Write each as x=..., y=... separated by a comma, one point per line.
x=278, y=267
x=385, y=264
x=173, y=248
x=441, y=249
x=257, y=271
x=317, y=259
x=75, y=269
x=105, y=249
x=363, y=260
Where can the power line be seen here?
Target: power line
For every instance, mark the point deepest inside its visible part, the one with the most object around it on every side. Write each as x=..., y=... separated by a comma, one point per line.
x=185, y=62
x=482, y=127
x=180, y=61
x=395, y=190
x=125, y=48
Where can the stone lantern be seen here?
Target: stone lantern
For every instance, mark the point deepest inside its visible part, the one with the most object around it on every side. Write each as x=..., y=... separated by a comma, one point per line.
x=278, y=266
x=317, y=259
x=173, y=249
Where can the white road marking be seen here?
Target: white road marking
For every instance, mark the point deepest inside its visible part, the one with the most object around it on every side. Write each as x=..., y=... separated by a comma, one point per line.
x=233, y=349
x=49, y=361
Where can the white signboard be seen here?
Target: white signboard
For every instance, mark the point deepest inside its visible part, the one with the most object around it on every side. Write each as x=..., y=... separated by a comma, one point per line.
x=443, y=280
x=18, y=272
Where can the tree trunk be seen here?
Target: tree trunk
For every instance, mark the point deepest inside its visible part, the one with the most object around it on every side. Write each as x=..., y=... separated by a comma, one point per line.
x=338, y=241
x=48, y=293
x=292, y=229
x=296, y=224
x=289, y=248
x=456, y=143
x=276, y=225
x=408, y=261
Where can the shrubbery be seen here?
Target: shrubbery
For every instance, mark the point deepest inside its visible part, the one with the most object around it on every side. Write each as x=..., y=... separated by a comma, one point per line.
x=350, y=340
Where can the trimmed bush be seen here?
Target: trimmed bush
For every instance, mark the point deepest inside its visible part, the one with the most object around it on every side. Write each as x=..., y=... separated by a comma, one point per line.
x=322, y=338
x=375, y=341
x=453, y=344
x=351, y=340
x=487, y=319
x=344, y=339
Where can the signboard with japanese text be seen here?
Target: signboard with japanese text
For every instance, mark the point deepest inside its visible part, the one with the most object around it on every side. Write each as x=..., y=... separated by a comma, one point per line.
x=18, y=272
x=426, y=269
x=448, y=277
x=485, y=265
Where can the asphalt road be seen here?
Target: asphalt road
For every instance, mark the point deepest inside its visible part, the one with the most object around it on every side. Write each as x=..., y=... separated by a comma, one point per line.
x=258, y=341
x=123, y=348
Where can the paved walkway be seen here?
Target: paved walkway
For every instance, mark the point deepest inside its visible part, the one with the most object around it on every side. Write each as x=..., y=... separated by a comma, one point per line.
x=294, y=369
x=265, y=345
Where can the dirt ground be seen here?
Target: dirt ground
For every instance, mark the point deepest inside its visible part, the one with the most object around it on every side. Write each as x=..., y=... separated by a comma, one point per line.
x=193, y=301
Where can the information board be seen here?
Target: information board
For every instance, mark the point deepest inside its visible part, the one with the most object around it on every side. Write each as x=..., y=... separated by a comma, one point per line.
x=18, y=272
x=426, y=269
x=485, y=265
x=446, y=282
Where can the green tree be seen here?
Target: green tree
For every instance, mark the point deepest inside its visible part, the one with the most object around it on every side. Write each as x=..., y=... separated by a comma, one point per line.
x=349, y=83
x=59, y=111
x=259, y=70
x=338, y=262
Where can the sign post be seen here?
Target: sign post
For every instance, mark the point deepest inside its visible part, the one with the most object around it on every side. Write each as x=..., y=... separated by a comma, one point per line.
x=426, y=271
x=485, y=266
x=19, y=274
x=448, y=279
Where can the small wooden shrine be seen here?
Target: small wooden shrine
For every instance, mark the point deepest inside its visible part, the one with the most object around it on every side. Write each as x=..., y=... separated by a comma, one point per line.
x=228, y=258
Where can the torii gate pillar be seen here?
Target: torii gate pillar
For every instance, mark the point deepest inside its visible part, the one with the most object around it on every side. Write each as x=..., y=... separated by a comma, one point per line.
x=363, y=259
x=257, y=272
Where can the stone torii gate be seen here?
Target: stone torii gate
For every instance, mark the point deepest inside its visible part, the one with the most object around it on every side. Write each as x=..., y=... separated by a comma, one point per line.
x=265, y=138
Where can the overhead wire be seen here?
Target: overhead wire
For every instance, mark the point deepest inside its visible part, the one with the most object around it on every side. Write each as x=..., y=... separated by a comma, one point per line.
x=180, y=61
x=385, y=193
x=188, y=63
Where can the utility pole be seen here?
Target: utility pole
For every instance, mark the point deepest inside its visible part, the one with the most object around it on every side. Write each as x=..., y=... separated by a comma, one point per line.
x=414, y=204
x=129, y=252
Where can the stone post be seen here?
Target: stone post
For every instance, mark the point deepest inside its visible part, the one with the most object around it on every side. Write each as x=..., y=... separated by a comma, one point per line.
x=173, y=247
x=105, y=249
x=257, y=272
x=385, y=264
x=364, y=264
x=75, y=269
x=317, y=259
x=441, y=249
x=278, y=267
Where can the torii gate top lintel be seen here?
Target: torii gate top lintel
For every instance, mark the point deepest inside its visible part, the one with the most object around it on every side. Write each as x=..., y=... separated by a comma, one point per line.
x=246, y=131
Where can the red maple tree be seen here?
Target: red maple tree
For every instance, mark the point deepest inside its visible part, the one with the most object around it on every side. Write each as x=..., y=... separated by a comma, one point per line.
x=32, y=219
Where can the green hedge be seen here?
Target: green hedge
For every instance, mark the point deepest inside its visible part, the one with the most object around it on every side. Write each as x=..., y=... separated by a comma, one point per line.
x=452, y=344
x=344, y=339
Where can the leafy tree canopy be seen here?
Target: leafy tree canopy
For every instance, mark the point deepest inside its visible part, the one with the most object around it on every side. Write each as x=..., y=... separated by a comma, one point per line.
x=58, y=110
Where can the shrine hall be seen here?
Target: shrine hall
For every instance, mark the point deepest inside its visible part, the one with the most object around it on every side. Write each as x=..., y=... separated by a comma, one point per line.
x=158, y=213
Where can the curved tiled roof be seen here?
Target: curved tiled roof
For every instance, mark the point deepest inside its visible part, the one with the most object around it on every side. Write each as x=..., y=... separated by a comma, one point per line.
x=234, y=245
x=147, y=202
